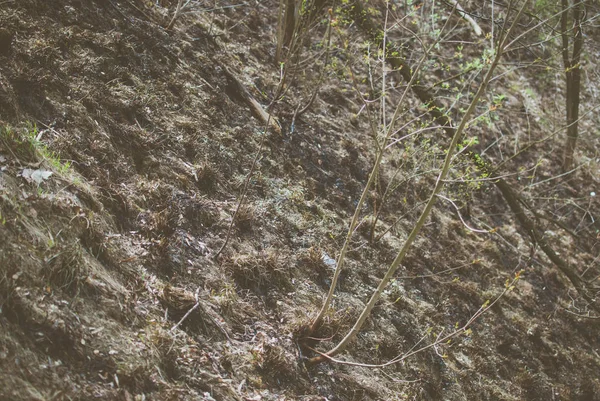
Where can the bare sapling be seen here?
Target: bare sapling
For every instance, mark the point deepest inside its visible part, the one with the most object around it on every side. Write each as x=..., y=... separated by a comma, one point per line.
x=295, y=21
x=380, y=146
x=572, y=65
x=451, y=150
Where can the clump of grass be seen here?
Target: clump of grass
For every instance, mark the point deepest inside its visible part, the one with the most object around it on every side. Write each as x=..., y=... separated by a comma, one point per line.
x=177, y=299
x=258, y=272
x=162, y=346
x=164, y=222
x=271, y=360
x=313, y=259
x=244, y=220
x=66, y=269
x=26, y=146
x=226, y=298
x=206, y=177
x=21, y=146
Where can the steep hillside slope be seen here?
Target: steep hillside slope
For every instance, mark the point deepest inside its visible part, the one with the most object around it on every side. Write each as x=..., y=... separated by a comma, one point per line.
x=125, y=148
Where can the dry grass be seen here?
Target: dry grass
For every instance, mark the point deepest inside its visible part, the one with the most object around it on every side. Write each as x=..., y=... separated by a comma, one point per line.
x=178, y=299
x=259, y=272
x=66, y=269
x=313, y=259
x=245, y=218
x=206, y=177
x=275, y=365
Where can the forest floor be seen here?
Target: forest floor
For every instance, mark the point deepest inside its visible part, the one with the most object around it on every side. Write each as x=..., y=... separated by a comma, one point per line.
x=125, y=148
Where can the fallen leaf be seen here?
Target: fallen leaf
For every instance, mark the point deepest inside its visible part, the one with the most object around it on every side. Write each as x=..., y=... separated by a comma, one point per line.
x=37, y=176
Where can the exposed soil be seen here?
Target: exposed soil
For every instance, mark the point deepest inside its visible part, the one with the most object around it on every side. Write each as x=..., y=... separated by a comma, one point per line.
x=149, y=144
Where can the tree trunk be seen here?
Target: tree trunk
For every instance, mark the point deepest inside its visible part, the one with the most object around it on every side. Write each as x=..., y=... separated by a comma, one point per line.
x=573, y=76
x=290, y=22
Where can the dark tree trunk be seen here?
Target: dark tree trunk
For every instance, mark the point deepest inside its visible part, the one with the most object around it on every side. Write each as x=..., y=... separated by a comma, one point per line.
x=573, y=75
x=290, y=22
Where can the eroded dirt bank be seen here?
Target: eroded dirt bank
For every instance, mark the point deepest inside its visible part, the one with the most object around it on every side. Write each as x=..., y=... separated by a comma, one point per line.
x=149, y=143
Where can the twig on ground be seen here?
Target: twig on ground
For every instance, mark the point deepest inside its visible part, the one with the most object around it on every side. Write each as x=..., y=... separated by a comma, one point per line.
x=582, y=316
x=189, y=312
x=461, y=218
x=245, y=190
x=258, y=110
x=178, y=10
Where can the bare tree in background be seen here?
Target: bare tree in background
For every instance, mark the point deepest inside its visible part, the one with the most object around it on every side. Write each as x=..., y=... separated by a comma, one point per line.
x=572, y=72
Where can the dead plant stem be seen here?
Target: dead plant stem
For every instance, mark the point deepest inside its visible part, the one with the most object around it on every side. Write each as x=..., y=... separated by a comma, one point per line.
x=180, y=7
x=246, y=185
